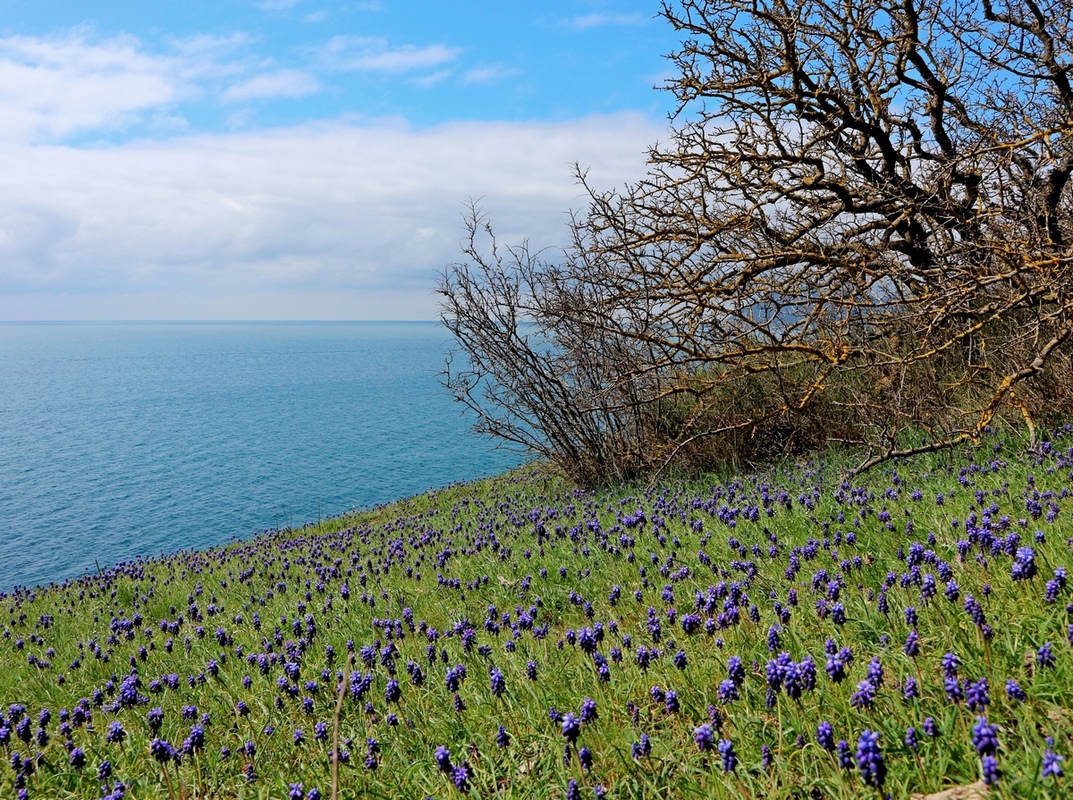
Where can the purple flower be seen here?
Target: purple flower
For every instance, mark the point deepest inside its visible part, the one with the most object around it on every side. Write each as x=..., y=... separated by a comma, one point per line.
x=196, y=738
x=989, y=767
x=845, y=757
x=865, y=695
x=985, y=737
x=909, y=688
x=1044, y=657
x=726, y=750
x=571, y=727
x=443, y=758
x=949, y=663
x=704, y=736
x=836, y=668
x=162, y=751
x=977, y=696
x=736, y=670
x=670, y=701
x=498, y=683
x=1024, y=564
x=1014, y=691
x=643, y=748
x=115, y=733
x=588, y=710
x=912, y=644
x=584, y=757
x=870, y=760
x=502, y=737
x=460, y=778
x=825, y=736
x=1052, y=767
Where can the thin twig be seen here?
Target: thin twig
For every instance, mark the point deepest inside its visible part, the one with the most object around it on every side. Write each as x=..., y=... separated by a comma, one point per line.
x=335, y=731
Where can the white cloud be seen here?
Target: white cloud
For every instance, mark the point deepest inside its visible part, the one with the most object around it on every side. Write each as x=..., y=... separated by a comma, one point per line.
x=56, y=86
x=72, y=83
x=597, y=20
x=376, y=54
x=281, y=83
x=489, y=73
x=328, y=221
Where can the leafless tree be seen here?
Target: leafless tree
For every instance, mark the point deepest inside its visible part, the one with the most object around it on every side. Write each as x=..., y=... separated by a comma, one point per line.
x=861, y=229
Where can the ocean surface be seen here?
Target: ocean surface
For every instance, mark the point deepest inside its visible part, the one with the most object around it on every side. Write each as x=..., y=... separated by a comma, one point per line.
x=120, y=440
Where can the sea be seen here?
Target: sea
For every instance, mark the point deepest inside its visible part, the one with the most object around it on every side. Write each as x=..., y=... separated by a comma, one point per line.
x=128, y=440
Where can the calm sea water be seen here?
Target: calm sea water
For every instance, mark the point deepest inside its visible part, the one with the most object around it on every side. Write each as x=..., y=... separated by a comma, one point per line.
x=120, y=440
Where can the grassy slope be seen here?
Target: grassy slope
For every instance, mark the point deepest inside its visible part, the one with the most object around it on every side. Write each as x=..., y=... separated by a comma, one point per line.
x=254, y=623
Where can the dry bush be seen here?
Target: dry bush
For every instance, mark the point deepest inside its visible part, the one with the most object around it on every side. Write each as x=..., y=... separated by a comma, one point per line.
x=860, y=228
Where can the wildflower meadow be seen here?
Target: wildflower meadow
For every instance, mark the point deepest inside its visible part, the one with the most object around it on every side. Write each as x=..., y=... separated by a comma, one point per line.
x=790, y=632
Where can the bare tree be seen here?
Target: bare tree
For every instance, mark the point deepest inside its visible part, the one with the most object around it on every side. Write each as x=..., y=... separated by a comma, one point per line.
x=535, y=372
x=860, y=229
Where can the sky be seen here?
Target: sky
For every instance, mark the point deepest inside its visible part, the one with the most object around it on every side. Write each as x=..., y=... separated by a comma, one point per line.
x=302, y=159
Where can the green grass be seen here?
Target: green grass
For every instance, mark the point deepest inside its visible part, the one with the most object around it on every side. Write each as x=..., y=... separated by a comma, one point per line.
x=526, y=541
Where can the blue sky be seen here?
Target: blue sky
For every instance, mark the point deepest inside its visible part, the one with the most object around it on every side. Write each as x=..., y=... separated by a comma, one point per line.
x=301, y=159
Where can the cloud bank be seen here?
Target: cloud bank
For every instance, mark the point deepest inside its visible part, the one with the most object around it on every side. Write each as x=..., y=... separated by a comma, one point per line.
x=350, y=218
x=327, y=221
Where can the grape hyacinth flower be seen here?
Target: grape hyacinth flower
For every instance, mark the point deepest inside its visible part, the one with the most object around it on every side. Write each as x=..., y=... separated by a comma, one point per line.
x=1052, y=767
x=989, y=767
x=870, y=760
x=726, y=750
x=825, y=736
x=460, y=777
x=571, y=727
x=912, y=644
x=588, y=710
x=641, y=749
x=949, y=664
x=584, y=757
x=985, y=737
x=1015, y=692
x=977, y=696
x=498, y=683
x=736, y=670
x=1024, y=564
x=704, y=737
x=845, y=758
x=911, y=740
